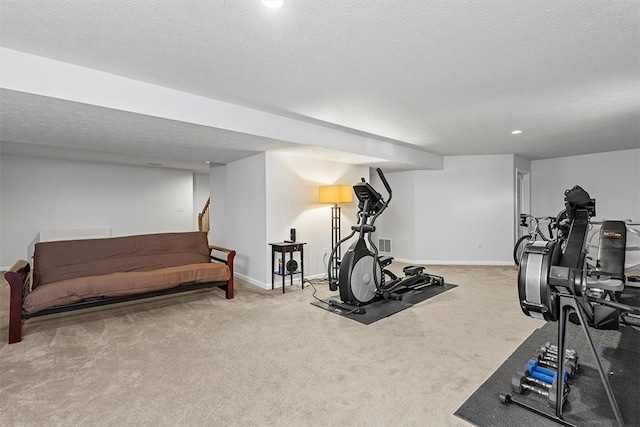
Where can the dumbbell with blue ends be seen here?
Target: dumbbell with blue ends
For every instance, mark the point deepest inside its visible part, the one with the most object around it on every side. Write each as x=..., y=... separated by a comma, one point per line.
x=543, y=373
x=537, y=381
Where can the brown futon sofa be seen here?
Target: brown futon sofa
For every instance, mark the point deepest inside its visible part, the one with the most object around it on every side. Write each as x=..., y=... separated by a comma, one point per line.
x=75, y=274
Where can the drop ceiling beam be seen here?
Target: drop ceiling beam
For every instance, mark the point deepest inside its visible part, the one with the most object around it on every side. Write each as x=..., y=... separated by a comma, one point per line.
x=46, y=77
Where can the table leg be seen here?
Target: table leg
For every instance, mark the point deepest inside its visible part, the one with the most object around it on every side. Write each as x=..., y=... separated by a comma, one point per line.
x=284, y=258
x=291, y=277
x=273, y=276
x=302, y=266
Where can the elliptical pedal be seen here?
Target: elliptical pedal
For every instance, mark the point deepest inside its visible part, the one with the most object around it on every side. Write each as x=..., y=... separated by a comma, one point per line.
x=412, y=270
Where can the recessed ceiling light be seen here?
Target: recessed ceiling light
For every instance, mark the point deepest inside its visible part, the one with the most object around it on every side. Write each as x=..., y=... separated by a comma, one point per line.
x=273, y=4
x=516, y=132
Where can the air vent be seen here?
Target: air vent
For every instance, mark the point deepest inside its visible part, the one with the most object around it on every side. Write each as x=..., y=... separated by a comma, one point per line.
x=384, y=245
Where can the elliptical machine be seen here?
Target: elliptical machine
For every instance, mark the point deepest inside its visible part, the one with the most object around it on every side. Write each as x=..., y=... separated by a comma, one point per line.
x=362, y=276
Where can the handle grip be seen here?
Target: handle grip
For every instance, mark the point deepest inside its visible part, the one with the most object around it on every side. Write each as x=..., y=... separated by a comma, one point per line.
x=384, y=180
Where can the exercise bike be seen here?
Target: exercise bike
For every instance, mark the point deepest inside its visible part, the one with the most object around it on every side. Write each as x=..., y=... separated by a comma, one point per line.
x=362, y=276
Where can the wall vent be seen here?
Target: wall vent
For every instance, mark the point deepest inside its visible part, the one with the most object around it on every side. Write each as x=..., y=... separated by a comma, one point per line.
x=384, y=245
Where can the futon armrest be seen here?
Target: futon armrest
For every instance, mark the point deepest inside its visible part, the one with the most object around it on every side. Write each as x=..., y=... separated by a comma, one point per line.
x=229, y=261
x=19, y=279
x=230, y=254
x=220, y=248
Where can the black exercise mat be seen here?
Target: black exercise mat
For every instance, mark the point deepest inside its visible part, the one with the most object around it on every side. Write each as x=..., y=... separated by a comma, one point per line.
x=385, y=308
x=619, y=353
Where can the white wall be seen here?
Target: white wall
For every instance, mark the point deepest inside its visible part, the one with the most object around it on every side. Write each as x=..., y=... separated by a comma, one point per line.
x=218, y=208
x=522, y=206
x=398, y=221
x=292, y=202
x=434, y=217
x=612, y=178
x=2, y=264
x=43, y=194
x=521, y=163
x=268, y=194
x=246, y=221
x=462, y=214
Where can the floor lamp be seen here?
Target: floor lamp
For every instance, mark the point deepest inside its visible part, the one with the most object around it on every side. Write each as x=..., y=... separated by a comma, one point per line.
x=335, y=194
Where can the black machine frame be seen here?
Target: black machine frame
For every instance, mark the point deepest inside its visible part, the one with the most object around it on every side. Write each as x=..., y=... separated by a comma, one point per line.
x=552, y=285
x=363, y=257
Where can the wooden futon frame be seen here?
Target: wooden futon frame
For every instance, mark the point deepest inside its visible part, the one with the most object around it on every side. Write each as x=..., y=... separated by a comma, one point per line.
x=174, y=263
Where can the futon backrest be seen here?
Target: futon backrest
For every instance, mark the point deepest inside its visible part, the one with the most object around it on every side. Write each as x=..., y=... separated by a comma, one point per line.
x=63, y=260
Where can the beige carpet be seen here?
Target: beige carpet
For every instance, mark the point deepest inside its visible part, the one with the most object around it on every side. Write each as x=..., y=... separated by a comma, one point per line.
x=262, y=359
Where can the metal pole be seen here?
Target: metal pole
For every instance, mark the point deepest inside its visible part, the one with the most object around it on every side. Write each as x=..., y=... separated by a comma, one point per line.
x=335, y=238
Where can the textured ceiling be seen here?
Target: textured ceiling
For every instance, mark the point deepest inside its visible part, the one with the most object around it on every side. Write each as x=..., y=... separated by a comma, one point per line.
x=122, y=137
x=446, y=77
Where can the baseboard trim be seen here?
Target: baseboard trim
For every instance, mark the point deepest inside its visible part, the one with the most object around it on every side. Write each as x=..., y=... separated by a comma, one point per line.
x=252, y=281
x=444, y=262
x=278, y=283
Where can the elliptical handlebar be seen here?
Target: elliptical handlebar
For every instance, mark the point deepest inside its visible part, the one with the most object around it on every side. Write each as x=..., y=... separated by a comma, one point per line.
x=384, y=181
x=386, y=202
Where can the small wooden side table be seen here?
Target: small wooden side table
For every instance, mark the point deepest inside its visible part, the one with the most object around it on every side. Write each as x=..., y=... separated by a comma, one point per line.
x=284, y=248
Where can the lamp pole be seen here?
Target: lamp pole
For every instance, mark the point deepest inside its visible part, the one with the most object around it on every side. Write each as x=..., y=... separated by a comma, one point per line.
x=335, y=194
x=335, y=238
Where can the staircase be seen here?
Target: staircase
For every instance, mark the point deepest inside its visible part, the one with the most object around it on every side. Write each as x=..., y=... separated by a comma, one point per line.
x=203, y=217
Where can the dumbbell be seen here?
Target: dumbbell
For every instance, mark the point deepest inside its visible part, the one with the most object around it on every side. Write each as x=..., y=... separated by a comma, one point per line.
x=571, y=366
x=554, y=355
x=542, y=373
x=524, y=381
x=552, y=348
x=550, y=352
x=570, y=363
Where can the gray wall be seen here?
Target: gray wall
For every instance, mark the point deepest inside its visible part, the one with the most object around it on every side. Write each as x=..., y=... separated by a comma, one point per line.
x=613, y=179
x=292, y=202
x=256, y=201
x=2, y=263
x=434, y=217
x=399, y=221
x=246, y=221
x=218, y=209
x=462, y=214
x=50, y=194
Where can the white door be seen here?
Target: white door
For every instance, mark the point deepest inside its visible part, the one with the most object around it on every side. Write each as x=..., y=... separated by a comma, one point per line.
x=523, y=191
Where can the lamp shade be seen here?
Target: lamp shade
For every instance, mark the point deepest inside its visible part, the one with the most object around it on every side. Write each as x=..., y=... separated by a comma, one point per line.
x=336, y=194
